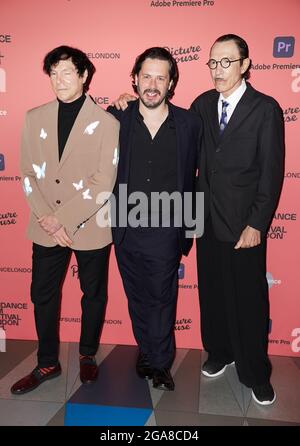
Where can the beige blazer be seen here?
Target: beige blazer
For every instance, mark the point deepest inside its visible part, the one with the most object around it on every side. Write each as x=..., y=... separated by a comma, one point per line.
x=70, y=188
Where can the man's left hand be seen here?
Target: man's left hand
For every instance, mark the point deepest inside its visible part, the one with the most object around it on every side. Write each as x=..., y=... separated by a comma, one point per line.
x=249, y=238
x=61, y=238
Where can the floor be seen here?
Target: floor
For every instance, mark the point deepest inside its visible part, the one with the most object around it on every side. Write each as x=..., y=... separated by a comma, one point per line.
x=120, y=398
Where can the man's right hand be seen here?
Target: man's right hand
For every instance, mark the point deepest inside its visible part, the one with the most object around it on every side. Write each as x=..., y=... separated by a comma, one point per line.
x=49, y=223
x=122, y=102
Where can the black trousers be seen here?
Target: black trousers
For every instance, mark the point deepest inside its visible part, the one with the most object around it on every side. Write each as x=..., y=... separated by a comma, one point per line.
x=49, y=266
x=234, y=304
x=148, y=260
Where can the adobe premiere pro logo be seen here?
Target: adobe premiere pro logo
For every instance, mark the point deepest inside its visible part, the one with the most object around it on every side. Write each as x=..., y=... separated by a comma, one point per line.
x=181, y=271
x=283, y=46
x=2, y=162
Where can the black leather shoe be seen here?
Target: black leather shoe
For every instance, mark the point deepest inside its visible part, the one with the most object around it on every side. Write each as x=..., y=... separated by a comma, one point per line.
x=88, y=369
x=162, y=379
x=34, y=379
x=143, y=367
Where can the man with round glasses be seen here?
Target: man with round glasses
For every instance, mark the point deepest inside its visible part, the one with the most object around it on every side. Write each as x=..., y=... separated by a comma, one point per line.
x=240, y=172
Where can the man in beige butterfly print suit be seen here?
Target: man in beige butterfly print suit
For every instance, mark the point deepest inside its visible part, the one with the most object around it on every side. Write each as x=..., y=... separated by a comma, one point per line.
x=69, y=158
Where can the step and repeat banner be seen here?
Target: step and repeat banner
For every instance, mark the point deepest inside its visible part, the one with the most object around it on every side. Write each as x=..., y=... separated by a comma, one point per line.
x=113, y=33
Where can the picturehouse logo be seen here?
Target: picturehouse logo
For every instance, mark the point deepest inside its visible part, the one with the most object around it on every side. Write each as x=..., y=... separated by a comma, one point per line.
x=291, y=114
x=183, y=324
x=74, y=271
x=8, y=218
x=185, y=54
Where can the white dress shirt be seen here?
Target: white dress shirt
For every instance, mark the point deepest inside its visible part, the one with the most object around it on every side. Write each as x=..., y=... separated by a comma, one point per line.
x=232, y=100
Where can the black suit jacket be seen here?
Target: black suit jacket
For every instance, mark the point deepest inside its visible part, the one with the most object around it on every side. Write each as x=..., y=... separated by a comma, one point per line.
x=241, y=172
x=188, y=134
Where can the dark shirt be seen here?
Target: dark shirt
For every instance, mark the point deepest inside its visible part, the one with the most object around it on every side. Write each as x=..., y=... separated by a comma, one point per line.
x=67, y=114
x=153, y=162
x=153, y=166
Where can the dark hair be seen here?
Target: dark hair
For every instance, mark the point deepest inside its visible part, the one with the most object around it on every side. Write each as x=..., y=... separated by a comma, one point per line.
x=78, y=57
x=242, y=47
x=161, y=54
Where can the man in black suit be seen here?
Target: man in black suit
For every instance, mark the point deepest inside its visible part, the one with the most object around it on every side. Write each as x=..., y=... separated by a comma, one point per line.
x=240, y=172
x=158, y=153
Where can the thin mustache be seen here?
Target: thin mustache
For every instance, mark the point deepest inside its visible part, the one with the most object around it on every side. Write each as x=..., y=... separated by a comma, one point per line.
x=149, y=90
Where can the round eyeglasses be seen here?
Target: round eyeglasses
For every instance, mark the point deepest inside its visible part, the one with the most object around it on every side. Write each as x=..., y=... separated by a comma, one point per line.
x=224, y=62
